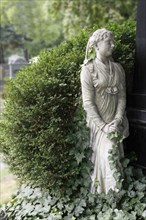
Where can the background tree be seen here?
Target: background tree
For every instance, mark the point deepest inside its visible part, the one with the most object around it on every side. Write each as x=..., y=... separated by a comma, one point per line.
x=10, y=40
x=81, y=13
x=32, y=18
x=49, y=22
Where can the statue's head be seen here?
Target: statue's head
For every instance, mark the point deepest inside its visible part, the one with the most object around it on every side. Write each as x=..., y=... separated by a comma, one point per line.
x=101, y=41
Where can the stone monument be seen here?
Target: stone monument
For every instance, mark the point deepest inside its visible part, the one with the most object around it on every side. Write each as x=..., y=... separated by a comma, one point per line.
x=16, y=63
x=104, y=100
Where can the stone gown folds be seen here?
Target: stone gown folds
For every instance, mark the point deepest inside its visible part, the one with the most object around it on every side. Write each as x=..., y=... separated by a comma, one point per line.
x=104, y=99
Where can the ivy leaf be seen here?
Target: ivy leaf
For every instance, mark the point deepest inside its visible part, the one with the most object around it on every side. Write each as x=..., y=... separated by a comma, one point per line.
x=140, y=186
x=91, y=198
x=140, y=195
x=131, y=194
x=139, y=208
x=91, y=53
x=46, y=209
x=78, y=210
x=144, y=214
x=106, y=215
x=125, y=162
x=129, y=171
x=83, y=203
x=60, y=205
x=69, y=207
x=92, y=217
x=79, y=157
x=27, y=209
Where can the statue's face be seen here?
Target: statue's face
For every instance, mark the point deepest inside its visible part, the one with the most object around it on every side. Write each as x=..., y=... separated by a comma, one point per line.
x=105, y=47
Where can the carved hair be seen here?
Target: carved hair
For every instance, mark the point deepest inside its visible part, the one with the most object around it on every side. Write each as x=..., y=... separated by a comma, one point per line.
x=96, y=37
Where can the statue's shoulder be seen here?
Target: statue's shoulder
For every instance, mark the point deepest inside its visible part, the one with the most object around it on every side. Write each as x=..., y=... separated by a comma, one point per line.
x=89, y=67
x=86, y=72
x=120, y=71
x=119, y=66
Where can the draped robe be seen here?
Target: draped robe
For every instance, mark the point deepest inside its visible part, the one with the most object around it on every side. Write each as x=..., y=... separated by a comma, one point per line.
x=104, y=99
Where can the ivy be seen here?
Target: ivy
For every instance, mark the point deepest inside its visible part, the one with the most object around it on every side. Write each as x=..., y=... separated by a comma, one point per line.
x=114, y=157
x=129, y=203
x=91, y=53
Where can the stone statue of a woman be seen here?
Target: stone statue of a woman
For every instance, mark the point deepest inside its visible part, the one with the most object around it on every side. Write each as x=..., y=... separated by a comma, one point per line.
x=103, y=93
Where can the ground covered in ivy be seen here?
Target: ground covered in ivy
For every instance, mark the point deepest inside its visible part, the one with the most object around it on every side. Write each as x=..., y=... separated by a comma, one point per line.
x=32, y=203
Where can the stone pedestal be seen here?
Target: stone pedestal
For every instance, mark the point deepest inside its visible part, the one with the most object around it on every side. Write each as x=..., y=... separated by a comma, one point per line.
x=137, y=100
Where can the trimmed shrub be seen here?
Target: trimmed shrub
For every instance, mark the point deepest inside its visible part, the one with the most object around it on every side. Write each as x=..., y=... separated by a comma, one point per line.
x=43, y=132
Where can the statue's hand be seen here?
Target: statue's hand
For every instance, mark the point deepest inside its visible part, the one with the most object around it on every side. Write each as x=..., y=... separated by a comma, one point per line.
x=111, y=127
x=115, y=123
x=106, y=129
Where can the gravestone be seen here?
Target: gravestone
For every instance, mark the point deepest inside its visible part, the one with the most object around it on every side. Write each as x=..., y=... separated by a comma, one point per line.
x=16, y=63
x=4, y=73
x=137, y=100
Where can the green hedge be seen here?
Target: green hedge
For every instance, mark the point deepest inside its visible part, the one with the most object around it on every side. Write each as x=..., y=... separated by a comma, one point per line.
x=43, y=132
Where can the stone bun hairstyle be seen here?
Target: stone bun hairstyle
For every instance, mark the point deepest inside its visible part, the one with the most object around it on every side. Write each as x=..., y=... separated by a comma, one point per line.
x=96, y=37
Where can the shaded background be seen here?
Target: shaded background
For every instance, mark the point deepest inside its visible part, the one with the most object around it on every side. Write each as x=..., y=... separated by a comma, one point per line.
x=30, y=26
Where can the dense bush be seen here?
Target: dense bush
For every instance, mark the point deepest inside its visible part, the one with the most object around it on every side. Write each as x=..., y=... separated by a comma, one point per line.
x=43, y=132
